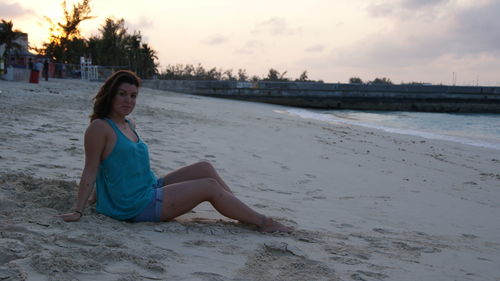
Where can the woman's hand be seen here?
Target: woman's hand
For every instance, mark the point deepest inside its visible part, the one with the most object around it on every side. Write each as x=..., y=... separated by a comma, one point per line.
x=70, y=217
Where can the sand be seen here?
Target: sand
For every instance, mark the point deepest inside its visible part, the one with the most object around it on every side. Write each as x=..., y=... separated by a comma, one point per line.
x=366, y=205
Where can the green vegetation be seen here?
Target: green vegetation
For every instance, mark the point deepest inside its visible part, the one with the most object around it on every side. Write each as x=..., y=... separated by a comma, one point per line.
x=116, y=47
x=381, y=81
x=376, y=81
x=65, y=42
x=274, y=75
x=191, y=72
x=113, y=47
x=8, y=36
x=355, y=80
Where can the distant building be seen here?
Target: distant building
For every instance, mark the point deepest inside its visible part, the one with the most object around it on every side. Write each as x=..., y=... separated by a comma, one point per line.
x=19, y=58
x=16, y=64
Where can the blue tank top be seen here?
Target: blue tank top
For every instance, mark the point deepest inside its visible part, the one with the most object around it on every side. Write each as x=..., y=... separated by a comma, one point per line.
x=125, y=180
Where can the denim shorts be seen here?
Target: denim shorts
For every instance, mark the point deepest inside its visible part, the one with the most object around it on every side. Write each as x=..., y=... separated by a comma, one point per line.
x=152, y=212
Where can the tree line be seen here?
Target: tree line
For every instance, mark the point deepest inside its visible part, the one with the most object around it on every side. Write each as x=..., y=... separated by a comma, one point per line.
x=198, y=72
x=382, y=81
x=113, y=46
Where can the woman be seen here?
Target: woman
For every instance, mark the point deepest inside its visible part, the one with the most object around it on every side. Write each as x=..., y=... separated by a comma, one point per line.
x=117, y=162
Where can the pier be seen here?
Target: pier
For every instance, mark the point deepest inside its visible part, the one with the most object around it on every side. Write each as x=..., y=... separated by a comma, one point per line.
x=429, y=98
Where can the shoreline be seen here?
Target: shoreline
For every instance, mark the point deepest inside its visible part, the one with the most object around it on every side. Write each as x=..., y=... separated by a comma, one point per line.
x=304, y=113
x=366, y=204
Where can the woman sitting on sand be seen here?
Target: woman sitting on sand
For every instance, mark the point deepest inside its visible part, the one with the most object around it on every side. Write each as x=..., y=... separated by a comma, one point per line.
x=117, y=162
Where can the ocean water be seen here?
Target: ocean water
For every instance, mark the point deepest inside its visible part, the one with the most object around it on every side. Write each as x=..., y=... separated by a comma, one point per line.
x=481, y=130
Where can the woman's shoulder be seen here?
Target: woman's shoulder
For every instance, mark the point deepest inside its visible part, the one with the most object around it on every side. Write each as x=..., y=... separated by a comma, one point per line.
x=99, y=126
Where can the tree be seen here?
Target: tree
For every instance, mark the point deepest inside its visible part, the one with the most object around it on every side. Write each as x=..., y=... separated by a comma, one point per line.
x=274, y=75
x=117, y=48
x=134, y=53
x=242, y=75
x=114, y=47
x=147, y=67
x=9, y=36
x=214, y=74
x=355, y=80
x=228, y=75
x=415, y=83
x=111, y=50
x=199, y=72
x=382, y=81
x=303, y=77
x=65, y=44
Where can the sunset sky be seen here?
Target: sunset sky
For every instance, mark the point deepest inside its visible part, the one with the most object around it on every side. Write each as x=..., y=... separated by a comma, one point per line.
x=404, y=40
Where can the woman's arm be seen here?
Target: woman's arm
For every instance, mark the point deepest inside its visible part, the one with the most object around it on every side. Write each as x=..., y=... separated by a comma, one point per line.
x=95, y=141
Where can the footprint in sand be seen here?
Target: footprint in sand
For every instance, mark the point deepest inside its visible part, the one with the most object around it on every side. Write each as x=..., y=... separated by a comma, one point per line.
x=209, y=276
x=283, y=167
x=361, y=275
x=304, y=181
x=275, y=191
x=260, y=206
x=310, y=176
x=315, y=195
x=288, y=262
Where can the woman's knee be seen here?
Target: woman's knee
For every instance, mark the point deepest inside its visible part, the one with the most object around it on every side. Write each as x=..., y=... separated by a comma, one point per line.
x=205, y=166
x=212, y=187
x=210, y=183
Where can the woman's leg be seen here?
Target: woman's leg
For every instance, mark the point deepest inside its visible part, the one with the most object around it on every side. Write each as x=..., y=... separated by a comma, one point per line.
x=195, y=171
x=93, y=197
x=180, y=198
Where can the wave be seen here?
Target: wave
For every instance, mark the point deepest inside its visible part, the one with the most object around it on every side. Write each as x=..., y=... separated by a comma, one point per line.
x=307, y=114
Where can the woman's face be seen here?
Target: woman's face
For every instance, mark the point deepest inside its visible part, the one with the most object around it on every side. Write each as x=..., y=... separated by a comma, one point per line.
x=124, y=101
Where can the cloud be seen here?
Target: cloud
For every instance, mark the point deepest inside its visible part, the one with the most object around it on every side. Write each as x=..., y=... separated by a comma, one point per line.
x=13, y=11
x=143, y=23
x=477, y=29
x=315, y=49
x=426, y=39
x=276, y=26
x=216, y=39
x=456, y=30
x=408, y=9
x=380, y=9
x=417, y=4
x=249, y=47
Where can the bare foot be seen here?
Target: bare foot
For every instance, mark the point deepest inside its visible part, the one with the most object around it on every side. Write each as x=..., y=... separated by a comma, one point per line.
x=271, y=225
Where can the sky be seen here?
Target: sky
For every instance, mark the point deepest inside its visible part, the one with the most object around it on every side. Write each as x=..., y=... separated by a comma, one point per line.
x=431, y=41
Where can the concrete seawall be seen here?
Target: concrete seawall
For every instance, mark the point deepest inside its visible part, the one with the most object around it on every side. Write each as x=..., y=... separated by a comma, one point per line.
x=345, y=96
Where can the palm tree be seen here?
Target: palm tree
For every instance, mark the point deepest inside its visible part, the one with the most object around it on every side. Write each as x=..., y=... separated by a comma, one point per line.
x=8, y=36
x=65, y=44
x=113, y=34
x=148, y=64
x=132, y=45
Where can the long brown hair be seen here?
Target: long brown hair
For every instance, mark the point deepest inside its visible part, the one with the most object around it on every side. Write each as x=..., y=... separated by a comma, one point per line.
x=103, y=99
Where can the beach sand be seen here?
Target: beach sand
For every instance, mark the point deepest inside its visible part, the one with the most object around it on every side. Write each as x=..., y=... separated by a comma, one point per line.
x=366, y=205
